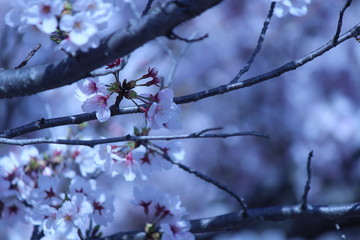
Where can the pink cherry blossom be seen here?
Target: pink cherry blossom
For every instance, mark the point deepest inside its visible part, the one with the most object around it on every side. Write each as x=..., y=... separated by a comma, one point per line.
x=97, y=103
x=176, y=230
x=163, y=110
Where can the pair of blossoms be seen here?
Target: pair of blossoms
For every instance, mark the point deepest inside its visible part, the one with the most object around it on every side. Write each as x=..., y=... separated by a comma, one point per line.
x=73, y=24
x=159, y=109
x=49, y=190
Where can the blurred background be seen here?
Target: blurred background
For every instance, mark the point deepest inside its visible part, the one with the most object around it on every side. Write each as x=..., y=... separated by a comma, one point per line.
x=312, y=108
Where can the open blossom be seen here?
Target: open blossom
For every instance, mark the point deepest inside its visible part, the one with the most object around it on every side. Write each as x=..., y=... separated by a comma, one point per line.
x=177, y=229
x=99, y=11
x=115, y=160
x=163, y=112
x=80, y=27
x=89, y=86
x=73, y=215
x=161, y=208
x=99, y=104
x=294, y=7
x=44, y=14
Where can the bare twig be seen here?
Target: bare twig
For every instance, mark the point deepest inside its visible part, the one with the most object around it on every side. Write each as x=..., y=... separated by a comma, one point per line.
x=258, y=46
x=94, y=142
x=235, y=220
x=200, y=175
x=80, y=118
x=147, y=8
x=339, y=25
x=176, y=60
x=29, y=56
x=174, y=36
x=304, y=202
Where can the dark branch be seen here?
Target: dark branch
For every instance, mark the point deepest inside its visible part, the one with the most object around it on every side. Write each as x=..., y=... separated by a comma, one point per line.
x=304, y=203
x=258, y=46
x=127, y=138
x=236, y=220
x=174, y=36
x=339, y=25
x=200, y=175
x=31, y=80
x=147, y=8
x=29, y=56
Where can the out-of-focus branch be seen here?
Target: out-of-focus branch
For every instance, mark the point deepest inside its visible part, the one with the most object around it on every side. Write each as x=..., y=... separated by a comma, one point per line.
x=160, y=22
x=304, y=203
x=200, y=175
x=258, y=46
x=80, y=118
x=236, y=220
x=94, y=142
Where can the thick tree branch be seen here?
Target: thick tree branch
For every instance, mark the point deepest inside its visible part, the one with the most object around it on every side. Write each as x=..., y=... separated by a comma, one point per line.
x=160, y=22
x=235, y=220
x=80, y=118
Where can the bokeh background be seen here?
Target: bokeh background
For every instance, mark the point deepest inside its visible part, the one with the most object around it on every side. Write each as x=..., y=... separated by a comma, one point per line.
x=315, y=107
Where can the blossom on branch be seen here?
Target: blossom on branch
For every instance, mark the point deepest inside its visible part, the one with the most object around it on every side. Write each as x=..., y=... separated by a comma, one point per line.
x=163, y=112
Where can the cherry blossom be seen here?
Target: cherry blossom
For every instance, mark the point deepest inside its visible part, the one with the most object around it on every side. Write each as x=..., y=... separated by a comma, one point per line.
x=89, y=86
x=73, y=215
x=163, y=110
x=99, y=104
x=176, y=229
x=44, y=14
x=99, y=11
x=80, y=27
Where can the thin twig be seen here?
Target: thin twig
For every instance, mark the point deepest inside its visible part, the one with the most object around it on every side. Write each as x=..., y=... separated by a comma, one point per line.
x=147, y=8
x=304, y=202
x=339, y=25
x=174, y=36
x=29, y=56
x=127, y=138
x=80, y=118
x=258, y=46
x=176, y=60
x=200, y=175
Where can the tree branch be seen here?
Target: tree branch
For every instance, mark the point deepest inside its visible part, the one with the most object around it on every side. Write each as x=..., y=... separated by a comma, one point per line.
x=235, y=220
x=258, y=46
x=341, y=16
x=31, y=80
x=80, y=118
x=200, y=175
x=127, y=138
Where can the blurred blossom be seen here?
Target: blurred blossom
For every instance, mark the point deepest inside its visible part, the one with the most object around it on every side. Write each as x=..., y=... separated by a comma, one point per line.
x=294, y=7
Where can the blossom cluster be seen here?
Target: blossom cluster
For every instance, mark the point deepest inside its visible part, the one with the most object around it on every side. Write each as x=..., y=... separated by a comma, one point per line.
x=61, y=184
x=160, y=111
x=132, y=162
x=46, y=190
x=74, y=25
x=164, y=211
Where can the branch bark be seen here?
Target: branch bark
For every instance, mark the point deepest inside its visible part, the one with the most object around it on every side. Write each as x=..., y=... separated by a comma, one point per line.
x=236, y=220
x=161, y=21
